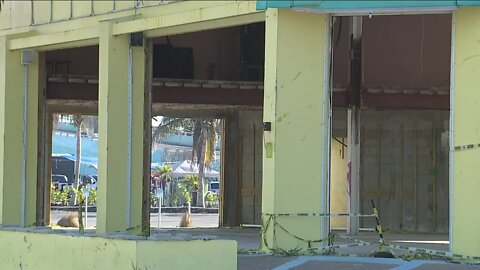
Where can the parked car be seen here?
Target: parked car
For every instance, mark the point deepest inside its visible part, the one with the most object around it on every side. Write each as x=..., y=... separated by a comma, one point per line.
x=60, y=181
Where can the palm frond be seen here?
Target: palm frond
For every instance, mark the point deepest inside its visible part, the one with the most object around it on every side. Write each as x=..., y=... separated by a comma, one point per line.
x=168, y=126
x=78, y=120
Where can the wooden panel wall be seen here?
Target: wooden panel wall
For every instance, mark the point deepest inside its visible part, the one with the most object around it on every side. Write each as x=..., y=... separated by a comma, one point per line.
x=404, y=169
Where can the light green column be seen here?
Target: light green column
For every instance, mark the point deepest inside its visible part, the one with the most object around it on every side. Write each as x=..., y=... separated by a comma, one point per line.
x=465, y=220
x=295, y=157
x=12, y=83
x=113, y=111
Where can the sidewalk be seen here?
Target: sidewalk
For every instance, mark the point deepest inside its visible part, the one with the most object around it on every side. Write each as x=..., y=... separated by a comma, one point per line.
x=264, y=262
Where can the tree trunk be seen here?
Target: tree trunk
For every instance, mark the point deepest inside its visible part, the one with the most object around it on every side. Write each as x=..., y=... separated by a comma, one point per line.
x=77, y=162
x=201, y=168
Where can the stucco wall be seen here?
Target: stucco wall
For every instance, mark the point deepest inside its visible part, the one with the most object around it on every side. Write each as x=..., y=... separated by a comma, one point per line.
x=42, y=251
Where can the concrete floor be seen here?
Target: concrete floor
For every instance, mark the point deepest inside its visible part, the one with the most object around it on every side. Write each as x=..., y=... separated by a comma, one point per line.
x=251, y=262
x=249, y=239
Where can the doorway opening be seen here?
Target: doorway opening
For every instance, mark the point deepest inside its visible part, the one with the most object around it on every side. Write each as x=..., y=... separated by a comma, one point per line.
x=185, y=153
x=74, y=165
x=390, y=128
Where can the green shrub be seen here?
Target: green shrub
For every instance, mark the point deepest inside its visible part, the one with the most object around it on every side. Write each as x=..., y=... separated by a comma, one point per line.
x=92, y=197
x=153, y=200
x=187, y=185
x=174, y=199
x=211, y=199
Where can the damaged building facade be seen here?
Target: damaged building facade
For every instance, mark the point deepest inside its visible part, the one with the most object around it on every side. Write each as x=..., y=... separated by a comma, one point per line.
x=326, y=106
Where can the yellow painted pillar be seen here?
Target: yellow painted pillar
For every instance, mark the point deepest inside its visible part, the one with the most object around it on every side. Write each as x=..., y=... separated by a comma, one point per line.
x=339, y=185
x=466, y=130
x=18, y=179
x=295, y=150
x=120, y=172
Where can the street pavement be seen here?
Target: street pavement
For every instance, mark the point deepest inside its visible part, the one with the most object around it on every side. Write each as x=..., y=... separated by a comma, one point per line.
x=168, y=220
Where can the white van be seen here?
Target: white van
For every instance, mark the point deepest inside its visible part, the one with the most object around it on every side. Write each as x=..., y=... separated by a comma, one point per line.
x=214, y=187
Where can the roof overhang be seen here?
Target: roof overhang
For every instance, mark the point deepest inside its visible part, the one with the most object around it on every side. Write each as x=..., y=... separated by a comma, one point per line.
x=338, y=6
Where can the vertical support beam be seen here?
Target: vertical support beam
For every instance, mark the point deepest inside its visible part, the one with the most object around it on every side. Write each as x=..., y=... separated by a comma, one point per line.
x=297, y=57
x=48, y=164
x=18, y=155
x=465, y=99
x=147, y=128
x=121, y=141
x=43, y=182
x=353, y=176
x=230, y=179
x=353, y=131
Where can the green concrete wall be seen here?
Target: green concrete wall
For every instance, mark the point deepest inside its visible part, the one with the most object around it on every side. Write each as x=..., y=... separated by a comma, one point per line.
x=113, y=133
x=293, y=103
x=42, y=251
x=466, y=130
x=339, y=186
x=11, y=134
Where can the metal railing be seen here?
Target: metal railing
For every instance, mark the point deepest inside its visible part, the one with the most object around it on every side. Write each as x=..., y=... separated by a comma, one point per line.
x=75, y=9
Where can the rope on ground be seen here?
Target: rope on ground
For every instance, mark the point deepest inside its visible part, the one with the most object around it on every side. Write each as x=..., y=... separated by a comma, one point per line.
x=378, y=228
x=271, y=220
x=441, y=254
x=321, y=215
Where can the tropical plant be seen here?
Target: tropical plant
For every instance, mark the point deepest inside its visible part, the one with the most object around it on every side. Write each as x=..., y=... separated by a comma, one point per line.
x=153, y=200
x=204, y=141
x=81, y=123
x=92, y=197
x=60, y=197
x=174, y=200
x=187, y=185
x=164, y=175
x=57, y=196
x=185, y=193
x=211, y=199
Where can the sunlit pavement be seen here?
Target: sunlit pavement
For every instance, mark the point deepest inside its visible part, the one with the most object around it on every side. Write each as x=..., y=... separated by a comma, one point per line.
x=260, y=262
x=168, y=220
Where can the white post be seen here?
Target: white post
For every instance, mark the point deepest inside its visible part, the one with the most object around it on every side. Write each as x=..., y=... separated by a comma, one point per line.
x=353, y=168
x=159, y=213
x=86, y=193
x=159, y=194
x=353, y=176
x=86, y=211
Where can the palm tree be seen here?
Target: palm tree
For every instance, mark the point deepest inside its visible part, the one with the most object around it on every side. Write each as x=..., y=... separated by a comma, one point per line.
x=164, y=175
x=204, y=141
x=81, y=122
